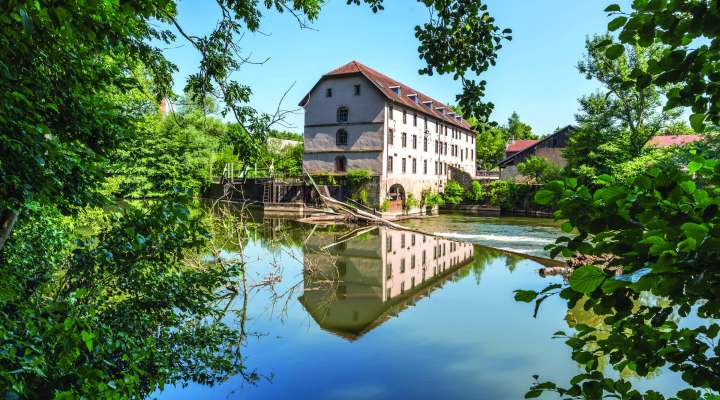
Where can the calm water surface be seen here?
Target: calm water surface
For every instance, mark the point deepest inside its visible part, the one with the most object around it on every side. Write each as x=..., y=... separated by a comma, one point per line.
x=392, y=314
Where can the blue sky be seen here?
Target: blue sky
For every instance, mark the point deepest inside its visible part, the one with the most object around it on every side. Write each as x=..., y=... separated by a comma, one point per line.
x=535, y=74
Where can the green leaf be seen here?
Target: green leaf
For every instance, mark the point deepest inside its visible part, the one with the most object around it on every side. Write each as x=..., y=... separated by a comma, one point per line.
x=533, y=394
x=694, y=166
x=688, y=394
x=612, y=8
x=616, y=23
x=87, y=337
x=615, y=51
x=687, y=245
x=525, y=296
x=695, y=231
x=604, y=179
x=688, y=186
x=544, y=197
x=566, y=227
x=697, y=122
x=586, y=279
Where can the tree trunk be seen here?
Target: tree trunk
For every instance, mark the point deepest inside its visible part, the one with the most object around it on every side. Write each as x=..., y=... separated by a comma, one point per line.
x=7, y=222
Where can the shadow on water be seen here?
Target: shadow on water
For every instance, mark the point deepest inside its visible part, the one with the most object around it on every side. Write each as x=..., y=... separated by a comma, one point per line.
x=381, y=313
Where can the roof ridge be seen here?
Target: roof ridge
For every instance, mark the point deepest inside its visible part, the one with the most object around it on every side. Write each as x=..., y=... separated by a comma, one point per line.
x=415, y=91
x=383, y=83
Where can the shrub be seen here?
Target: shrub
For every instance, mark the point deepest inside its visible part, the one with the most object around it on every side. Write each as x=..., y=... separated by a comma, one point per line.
x=385, y=205
x=358, y=177
x=410, y=202
x=434, y=199
x=362, y=197
x=539, y=169
x=453, y=193
x=476, y=194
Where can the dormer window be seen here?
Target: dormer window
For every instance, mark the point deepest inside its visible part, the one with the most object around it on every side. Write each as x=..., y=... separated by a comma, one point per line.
x=441, y=110
x=414, y=98
x=428, y=104
x=395, y=89
x=451, y=114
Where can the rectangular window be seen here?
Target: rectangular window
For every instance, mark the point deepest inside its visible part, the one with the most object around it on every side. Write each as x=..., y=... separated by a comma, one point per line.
x=412, y=283
x=425, y=122
x=425, y=145
x=415, y=119
x=437, y=126
x=392, y=112
x=412, y=240
x=391, y=136
x=403, y=139
x=404, y=169
x=357, y=90
x=402, y=265
x=412, y=262
x=388, y=274
x=414, y=166
x=402, y=287
x=425, y=167
x=404, y=117
x=390, y=164
x=436, y=146
x=402, y=241
x=423, y=258
x=445, y=130
x=328, y=92
x=436, y=167
x=388, y=243
x=414, y=141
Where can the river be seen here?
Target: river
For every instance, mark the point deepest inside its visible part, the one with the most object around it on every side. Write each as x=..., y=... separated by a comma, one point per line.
x=384, y=313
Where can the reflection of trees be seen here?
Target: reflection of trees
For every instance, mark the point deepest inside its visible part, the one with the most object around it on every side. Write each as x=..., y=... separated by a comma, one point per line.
x=579, y=317
x=121, y=316
x=659, y=321
x=483, y=256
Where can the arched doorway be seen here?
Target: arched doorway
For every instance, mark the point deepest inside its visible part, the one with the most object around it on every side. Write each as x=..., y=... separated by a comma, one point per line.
x=396, y=197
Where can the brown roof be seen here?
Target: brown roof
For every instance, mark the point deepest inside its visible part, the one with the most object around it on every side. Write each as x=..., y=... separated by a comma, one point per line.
x=519, y=145
x=672, y=140
x=384, y=84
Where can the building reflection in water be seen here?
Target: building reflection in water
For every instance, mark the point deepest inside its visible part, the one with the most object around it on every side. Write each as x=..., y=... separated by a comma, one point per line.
x=353, y=286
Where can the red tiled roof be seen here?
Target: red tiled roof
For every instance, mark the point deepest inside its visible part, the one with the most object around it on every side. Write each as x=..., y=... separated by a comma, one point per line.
x=672, y=140
x=519, y=145
x=384, y=83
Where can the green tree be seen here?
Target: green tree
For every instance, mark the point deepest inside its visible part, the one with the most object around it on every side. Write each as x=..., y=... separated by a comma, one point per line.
x=490, y=146
x=637, y=110
x=600, y=142
x=688, y=62
x=539, y=169
x=167, y=153
x=516, y=129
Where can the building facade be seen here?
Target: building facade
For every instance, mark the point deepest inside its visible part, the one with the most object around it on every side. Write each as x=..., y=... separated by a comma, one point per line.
x=359, y=119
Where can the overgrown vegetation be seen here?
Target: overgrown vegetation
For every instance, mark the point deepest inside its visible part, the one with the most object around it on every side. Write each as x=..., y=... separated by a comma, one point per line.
x=646, y=219
x=102, y=298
